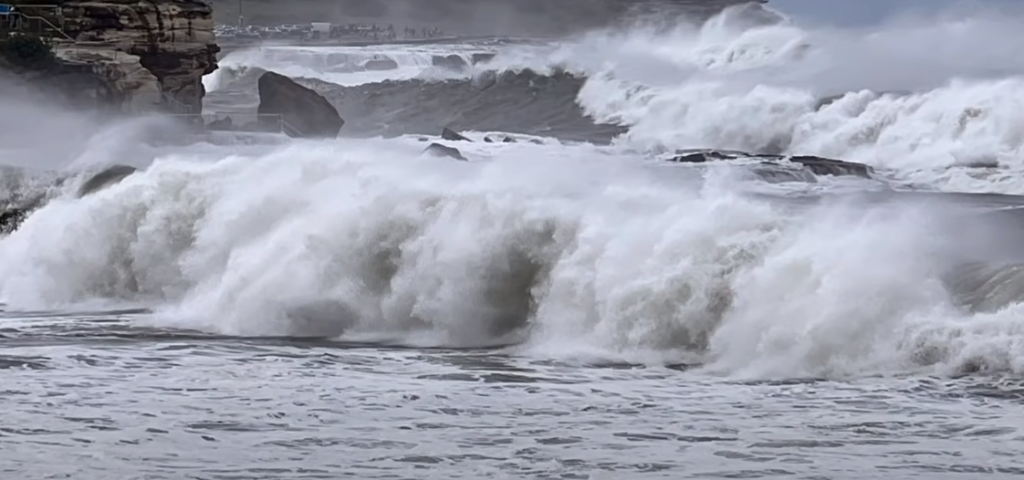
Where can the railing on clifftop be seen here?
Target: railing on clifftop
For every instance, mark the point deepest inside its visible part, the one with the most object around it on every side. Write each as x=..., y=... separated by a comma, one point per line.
x=177, y=107
x=48, y=20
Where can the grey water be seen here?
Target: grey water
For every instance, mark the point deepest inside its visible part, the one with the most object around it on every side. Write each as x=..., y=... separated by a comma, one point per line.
x=91, y=396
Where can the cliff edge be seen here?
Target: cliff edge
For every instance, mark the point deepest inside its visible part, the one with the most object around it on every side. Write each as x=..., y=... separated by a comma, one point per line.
x=129, y=56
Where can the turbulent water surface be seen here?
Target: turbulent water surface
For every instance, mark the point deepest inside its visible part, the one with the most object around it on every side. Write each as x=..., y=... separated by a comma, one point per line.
x=566, y=304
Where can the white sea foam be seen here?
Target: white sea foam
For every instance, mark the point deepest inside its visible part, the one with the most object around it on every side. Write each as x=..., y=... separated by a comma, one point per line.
x=731, y=84
x=579, y=251
x=343, y=65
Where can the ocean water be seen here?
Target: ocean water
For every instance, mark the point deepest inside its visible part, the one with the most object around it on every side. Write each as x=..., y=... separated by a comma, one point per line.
x=564, y=305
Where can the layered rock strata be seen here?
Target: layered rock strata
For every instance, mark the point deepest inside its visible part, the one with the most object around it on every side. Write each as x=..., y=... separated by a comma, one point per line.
x=146, y=55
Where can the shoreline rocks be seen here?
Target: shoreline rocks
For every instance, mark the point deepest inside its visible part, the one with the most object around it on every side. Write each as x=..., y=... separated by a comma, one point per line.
x=453, y=136
x=813, y=164
x=439, y=150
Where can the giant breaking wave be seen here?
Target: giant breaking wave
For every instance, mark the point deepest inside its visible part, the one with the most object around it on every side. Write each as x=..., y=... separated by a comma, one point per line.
x=577, y=249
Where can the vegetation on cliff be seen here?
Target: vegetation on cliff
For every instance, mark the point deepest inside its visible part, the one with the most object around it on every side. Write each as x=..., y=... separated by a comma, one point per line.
x=27, y=51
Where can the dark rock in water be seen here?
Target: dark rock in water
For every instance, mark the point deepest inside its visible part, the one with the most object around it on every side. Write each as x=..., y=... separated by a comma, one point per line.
x=450, y=62
x=979, y=163
x=453, y=136
x=774, y=173
x=504, y=139
x=707, y=156
x=381, y=65
x=828, y=166
x=484, y=80
x=105, y=178
x=15, y=213
x=221, y=124
x=11, y=218
x=438, y=150
x=816, y=165
x=307, y=113
x=482, y=57
x=830, y=99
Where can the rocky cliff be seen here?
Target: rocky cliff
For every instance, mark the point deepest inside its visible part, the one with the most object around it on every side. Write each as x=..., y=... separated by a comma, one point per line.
x=144, y=55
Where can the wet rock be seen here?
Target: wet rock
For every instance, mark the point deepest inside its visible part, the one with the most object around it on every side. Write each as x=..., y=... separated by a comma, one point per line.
x=15, y=213
x=496, y=139
x=449, y=62
x=705, y=156
x=482, y=57
x=221, y=124
x=11, y=218
x=813, y=164
x=453, y=136
x=307, y=113
x=438, y=150
x=381, y=65
x=107, y=177
x=828, y=166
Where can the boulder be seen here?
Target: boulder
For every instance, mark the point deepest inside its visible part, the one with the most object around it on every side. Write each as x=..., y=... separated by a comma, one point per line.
x=828, y=166
x=813, y=164
x=449, y=62
x=105, y=178
x=438, y=150
x=381, y=65
x=307, y=114
x=12, y=216
x=224, y=123
x=482, y=57
x=453, y=136
x=504, y=139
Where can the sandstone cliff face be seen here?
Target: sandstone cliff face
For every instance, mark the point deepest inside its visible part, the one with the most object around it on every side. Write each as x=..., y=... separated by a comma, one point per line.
x=139, y=48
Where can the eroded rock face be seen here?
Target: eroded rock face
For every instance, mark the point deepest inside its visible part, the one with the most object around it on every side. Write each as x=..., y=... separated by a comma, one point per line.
x=107, y=80
x=139, y=47
x=307, y=114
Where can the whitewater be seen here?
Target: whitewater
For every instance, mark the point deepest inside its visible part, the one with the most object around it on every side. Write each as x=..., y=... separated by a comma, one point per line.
x=566, y=304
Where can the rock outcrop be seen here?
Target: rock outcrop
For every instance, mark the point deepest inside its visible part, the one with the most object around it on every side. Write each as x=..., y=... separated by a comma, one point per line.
x=142, y=55
x=438, y=150
x=380, y=65
x=449, y=62
x=453, y=136
x=306, y=114
x=811, y=164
